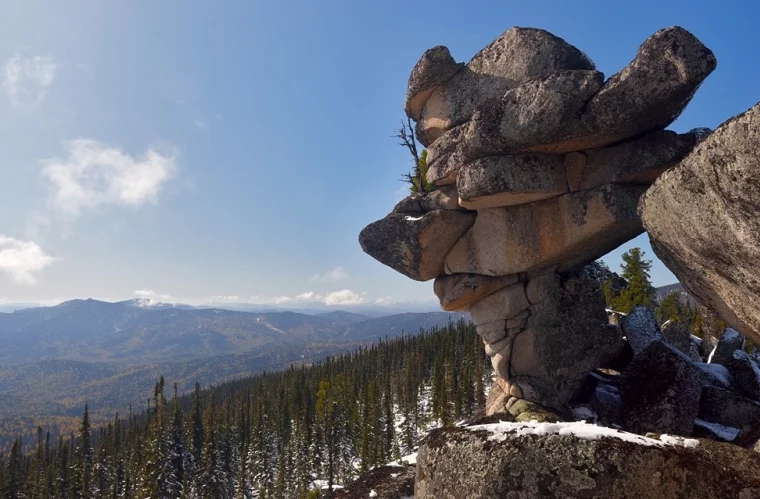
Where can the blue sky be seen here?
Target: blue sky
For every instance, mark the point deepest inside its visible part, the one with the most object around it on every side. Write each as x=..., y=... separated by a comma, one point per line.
x=188, y=151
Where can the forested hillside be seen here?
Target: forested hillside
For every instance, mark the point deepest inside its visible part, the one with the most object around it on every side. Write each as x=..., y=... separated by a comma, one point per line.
x=268, y=436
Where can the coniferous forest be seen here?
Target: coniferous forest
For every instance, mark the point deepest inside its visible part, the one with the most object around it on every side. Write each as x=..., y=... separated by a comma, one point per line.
x=268, y=436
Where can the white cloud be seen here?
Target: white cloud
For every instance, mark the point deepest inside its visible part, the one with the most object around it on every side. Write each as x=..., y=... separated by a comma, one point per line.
x=225, y=299
x=22, y=259
x=149, y=293
x=386, y=300
x=336, y=274
x=344, y=297
x=26, y=81
x=94, y=175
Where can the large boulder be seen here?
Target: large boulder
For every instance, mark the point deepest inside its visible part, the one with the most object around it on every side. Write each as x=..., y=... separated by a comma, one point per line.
x=652, y=91
x=518, y=55
x=566, y=230
x=459, y=291
x=571, y=110
x=579, y=460
x=745, y=373
x=637, y=161
x=533, y=117
x=678, y=335
x=435, y=67
x=510, y=180
x=640, y=328
x=729, y=342
x=703, y=219
x=728, y=408
x=660, y=390
x=415, y=245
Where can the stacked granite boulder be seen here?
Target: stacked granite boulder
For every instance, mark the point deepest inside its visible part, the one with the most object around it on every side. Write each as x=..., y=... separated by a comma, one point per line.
x=539, y=164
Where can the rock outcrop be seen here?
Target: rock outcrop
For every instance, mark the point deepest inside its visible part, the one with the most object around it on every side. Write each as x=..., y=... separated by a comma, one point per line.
x=540, y=164
x=703, y=219
x=529, y=460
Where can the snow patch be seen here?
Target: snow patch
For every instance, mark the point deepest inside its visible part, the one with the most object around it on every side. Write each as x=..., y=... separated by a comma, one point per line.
x=727, y=433
x=580, y=429
x=716, y=371
x=412, y=219
x=584, y=412
x=404, y=461
x=372, y=493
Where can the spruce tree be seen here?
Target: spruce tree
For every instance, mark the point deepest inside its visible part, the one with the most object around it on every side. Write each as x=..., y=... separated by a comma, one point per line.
x=639, y=290
x=82, y=476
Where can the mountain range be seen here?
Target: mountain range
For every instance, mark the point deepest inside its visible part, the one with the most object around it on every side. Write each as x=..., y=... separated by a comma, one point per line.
x=136, y=332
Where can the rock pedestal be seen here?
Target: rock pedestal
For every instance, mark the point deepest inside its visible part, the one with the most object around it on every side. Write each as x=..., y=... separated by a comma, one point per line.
x=540, y=164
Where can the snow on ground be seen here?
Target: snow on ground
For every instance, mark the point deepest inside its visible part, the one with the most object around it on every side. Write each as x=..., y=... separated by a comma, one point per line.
x=372, y=493
x=580, y=429
x=727, y=433
x=322, y=485
x=410, y=459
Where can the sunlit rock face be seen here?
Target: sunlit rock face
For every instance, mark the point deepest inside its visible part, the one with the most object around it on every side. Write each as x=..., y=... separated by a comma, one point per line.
x=540, y=163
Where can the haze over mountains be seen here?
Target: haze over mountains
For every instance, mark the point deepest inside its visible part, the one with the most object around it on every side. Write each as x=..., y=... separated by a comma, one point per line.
x=53, y=359
x=139, y=332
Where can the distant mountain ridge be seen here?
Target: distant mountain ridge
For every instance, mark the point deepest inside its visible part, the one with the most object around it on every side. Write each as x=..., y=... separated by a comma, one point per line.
x=140, y=332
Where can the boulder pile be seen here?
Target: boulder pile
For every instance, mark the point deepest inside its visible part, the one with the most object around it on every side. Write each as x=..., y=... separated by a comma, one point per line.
x=539, y=163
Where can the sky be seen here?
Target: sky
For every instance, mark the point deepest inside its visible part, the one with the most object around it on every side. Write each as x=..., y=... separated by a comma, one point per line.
x=199, y=152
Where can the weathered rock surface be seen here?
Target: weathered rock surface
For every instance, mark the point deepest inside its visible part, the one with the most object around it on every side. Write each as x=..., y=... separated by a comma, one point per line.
x=679, y=336
x=459, y=291
x=572, y=111
x=729, y=342
x=703, y=218
x=640, y=328
x=637, y=161
x=435, y=67
x=525, y=462
x=534, y=117
x=518, y=55
x=415, y=245
x=652, y=91
x=443, y=198
x=745, y=373
x=445, y=157
x=660, y=390
x=565, y=230
x=510, y=180
x=522, y=325
x=728, y=408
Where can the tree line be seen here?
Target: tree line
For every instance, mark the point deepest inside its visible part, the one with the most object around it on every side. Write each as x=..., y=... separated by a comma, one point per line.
x=268, y=436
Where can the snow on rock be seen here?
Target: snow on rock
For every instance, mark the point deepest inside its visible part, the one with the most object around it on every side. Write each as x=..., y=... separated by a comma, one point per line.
x=579, y=429
x=372, y=493
x=730, y=341
x=584, y=412
x=412, y=219
x=726, y=433
x=717, y=371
